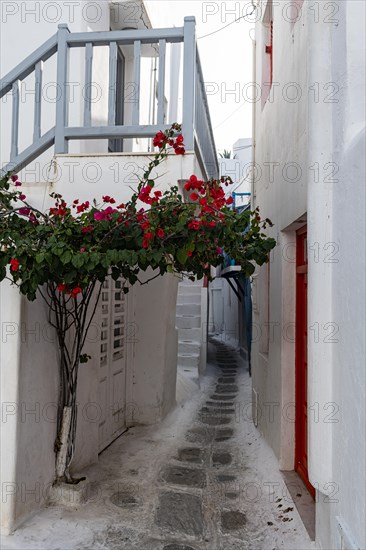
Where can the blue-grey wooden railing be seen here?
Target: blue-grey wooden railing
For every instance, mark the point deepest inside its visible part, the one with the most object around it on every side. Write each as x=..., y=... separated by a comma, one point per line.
x=197, y=128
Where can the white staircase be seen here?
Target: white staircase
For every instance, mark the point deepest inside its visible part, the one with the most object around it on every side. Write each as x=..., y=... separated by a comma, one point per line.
x=190, y=329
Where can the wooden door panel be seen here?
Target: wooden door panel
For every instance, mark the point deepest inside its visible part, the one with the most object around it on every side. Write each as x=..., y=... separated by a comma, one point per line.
x=112, y=369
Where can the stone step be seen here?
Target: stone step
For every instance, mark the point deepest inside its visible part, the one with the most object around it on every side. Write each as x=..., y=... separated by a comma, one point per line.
x=189, y=289
x=189, y=334
x=188, y=359
x=188, y=346
x=188, y=321
x=188, y=309
x=187, y=282
x=189, y=299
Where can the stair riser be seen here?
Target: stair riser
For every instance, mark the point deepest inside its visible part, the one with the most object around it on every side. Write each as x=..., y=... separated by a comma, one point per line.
x=192, y=334
x=189, y=299
x=188, y=309
x=189, y=347
x=188, y=361
x=194, y=290
x=188, y=322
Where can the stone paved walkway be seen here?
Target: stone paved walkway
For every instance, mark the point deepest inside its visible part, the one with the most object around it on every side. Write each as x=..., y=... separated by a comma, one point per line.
x=201, y=480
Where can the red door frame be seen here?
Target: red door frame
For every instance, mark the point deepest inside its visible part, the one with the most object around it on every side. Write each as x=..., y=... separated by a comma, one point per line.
x=301, y=360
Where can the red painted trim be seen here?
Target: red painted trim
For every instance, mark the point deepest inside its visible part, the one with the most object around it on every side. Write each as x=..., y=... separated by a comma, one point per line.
x=301, y=361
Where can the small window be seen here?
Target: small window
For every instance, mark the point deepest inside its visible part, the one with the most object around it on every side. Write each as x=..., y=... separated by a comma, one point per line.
x=267, y=52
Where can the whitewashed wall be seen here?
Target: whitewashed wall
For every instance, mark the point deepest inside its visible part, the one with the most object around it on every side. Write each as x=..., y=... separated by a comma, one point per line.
x=320, y=56
x=337, y=443
x=280, y=176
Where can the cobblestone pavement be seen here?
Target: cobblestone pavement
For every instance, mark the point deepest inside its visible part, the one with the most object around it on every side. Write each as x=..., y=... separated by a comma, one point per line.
x=201, y=480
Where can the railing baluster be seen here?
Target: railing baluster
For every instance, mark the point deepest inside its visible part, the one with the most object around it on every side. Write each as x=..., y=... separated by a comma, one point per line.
x=38, y=74
x=88, y=83
x=15, y=121
x=161, y=84
x=113, y=53
x=189, y=75
x=136, y=77
x=62, y=101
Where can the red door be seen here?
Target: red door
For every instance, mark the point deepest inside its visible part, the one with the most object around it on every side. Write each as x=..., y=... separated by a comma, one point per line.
x=301, y=359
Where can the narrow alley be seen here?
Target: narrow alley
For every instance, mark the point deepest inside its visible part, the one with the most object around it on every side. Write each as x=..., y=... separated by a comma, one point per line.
x=203, y=479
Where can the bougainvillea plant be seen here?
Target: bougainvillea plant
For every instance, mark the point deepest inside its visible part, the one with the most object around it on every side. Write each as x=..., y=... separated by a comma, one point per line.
x=64, y=255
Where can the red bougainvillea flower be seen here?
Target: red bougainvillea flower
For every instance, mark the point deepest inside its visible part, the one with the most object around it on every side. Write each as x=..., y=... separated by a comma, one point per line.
x=145, y=226
x=75, y=291
x=61, y=287
x=149, y=235
x=144, y=195
x=22, y=197
x=87, y=229
x=14, y=178
x=180, y=139
x=109, y=199
x=18, y=183
x=160, y=139
x=194, y=225
x=145, y=243
x=189, y=253
x=82, y=207
x=14, y=264
x=160, y=232
x=194, y=196
x=24, y=211
x=179, y=150
x=230, y=200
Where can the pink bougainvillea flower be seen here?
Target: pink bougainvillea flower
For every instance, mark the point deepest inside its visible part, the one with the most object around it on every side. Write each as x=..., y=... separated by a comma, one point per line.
x=219, y=250
x=14, y=178
x=22, y=197
x=99, y=216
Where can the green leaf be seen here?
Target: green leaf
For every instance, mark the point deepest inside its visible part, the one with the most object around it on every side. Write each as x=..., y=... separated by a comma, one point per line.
x=40, y=257
x=66, y=257
x=182, y=256
x=78, y=261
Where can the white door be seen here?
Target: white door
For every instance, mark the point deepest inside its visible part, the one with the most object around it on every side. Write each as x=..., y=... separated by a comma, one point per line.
x=112, y=366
